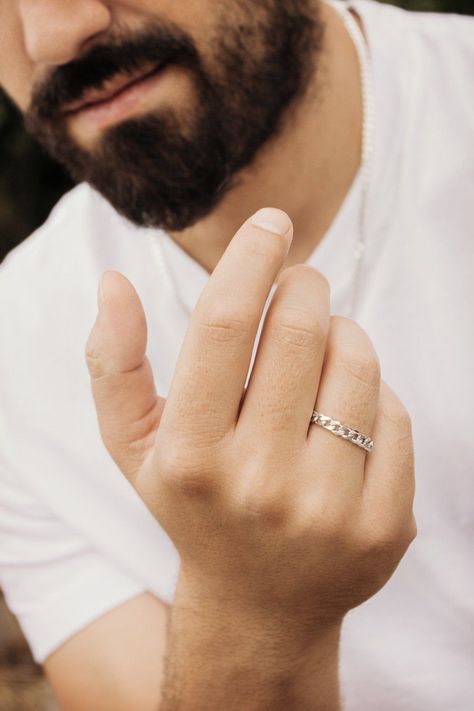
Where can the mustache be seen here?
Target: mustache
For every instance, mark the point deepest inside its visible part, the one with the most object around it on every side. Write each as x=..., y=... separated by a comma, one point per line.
x=69, y=82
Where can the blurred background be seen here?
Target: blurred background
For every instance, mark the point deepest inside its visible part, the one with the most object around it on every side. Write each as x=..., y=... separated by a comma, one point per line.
x=30, y=184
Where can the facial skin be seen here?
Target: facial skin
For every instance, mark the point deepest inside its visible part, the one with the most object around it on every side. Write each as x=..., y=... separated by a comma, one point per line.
x=165, y=150
x=306, y=163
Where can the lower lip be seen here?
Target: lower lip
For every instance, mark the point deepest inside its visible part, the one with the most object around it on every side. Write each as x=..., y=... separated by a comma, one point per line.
x=123, y=105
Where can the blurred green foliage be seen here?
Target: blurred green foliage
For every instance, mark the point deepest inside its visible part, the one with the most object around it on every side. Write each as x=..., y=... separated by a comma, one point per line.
x=30, y=183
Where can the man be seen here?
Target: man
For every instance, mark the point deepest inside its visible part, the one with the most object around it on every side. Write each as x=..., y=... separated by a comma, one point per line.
x=230, y=531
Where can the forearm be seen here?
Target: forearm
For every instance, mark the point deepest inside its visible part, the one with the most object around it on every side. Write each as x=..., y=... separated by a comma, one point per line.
x=219, y=657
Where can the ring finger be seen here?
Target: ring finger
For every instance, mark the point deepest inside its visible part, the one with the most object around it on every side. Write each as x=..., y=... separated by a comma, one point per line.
x=349, y=393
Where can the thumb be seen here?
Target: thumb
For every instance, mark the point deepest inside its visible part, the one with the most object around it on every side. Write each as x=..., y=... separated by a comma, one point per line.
x=128, y=407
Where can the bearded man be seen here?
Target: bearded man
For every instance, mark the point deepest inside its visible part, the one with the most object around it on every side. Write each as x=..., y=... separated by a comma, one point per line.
x=224, y=549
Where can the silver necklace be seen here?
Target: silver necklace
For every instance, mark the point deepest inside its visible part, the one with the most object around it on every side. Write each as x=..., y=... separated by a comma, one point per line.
x=156, y=237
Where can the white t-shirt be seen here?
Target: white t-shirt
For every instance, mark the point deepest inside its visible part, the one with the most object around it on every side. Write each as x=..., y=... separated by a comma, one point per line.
x=75, y=538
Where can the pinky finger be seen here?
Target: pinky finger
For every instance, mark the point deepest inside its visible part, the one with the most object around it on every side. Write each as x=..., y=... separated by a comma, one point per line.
x=389, y=483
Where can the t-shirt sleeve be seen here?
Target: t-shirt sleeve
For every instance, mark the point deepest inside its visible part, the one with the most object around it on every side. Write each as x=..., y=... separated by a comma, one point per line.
x=53, y=580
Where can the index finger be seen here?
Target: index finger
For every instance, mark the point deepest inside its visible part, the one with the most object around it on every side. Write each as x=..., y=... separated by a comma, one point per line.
x=215, y=357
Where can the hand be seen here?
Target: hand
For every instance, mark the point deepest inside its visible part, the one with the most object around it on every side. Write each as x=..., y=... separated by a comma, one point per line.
x=270, y=515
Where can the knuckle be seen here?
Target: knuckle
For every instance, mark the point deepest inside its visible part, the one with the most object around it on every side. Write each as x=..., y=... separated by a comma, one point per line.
x=351, y=349
x=405, y=421
x=297, y=272
x=332, y=531
x=94, y=360
x=330, y=520
x=412, y=530
x=395, y=413
x=184, y=471
x=335, y=523
x=223, y=322
x=298, y=327
x=361, y=365
x=268, y=509
x=258, y=501
x=384, y=538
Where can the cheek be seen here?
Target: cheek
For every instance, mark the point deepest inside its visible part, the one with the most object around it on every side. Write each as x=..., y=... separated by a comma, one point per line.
x=16, y=70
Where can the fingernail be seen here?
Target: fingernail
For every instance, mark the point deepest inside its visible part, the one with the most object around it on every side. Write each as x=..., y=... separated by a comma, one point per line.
x=272, y=220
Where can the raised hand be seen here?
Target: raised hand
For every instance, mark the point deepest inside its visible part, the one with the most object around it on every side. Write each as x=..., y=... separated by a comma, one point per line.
x=270, y=515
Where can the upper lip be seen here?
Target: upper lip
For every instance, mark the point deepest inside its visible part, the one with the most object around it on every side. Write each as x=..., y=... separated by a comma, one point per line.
x=109, y=89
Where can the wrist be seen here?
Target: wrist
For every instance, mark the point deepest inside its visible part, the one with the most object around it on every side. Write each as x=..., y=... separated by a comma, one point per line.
x=222, y=653
x=296, y=627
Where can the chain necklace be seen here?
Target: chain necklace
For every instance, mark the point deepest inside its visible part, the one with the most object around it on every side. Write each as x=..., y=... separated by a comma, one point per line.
x=156, y=237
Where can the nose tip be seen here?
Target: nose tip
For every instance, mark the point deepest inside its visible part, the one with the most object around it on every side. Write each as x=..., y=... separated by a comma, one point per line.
x=56, y=32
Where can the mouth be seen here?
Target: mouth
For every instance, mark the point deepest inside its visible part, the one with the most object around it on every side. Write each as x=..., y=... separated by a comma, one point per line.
x=111, y=90
x=121, y=98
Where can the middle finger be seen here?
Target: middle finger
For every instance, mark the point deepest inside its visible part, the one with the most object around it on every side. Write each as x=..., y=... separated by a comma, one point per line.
x=284, y=381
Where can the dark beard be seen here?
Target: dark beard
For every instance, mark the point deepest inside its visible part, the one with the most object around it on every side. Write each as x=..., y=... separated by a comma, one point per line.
x=161, y=170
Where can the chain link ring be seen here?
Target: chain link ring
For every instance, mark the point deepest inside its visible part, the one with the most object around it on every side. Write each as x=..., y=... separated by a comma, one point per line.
x=344, y=431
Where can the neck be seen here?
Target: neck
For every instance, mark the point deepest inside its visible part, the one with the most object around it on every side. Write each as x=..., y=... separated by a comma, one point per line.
x=307, y=169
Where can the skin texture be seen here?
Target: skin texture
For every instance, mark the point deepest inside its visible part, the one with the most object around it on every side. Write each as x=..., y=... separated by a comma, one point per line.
x=157, y=164
x=116, y=663
x=281, y=527
x=307, y=170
